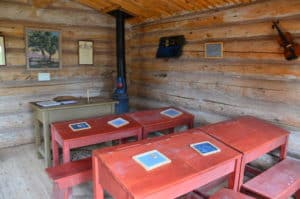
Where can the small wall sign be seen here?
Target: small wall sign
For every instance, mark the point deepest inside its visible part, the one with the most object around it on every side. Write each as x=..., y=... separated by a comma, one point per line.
x=214, y=50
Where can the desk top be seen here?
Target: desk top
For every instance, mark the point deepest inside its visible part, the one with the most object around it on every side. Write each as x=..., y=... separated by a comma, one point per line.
x=245, y=133
x=98, y=125
x=154, y=116
x=186, y=164
x=80, y=102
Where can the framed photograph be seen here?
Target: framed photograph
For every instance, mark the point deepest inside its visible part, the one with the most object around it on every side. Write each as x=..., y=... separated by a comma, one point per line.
x=2, y=51
x=86, y=52
x=214, y=50
x=43, y=49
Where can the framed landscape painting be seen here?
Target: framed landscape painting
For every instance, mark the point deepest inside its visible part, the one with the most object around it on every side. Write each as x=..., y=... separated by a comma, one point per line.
x=43, y=49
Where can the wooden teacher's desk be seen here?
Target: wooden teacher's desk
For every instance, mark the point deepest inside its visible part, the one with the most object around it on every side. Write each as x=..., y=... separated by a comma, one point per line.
x=251, y=136
x=115, y=171
x=44, y=116
x=99, y=131
x=152, y=120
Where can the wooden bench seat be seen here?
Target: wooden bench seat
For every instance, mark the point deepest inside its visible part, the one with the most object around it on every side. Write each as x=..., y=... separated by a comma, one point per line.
x=69, y=174
x=280, y=181
x=228, y=193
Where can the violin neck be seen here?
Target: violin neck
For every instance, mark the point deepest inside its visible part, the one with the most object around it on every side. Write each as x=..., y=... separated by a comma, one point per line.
x=282, y=36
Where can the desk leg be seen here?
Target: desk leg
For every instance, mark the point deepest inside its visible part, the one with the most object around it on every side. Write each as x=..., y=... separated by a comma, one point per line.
x=242, y=173
x=98, y=190
x=233, y=182
x=191, y=124
x=66, y=153
x=55, y=152
x=47, y=147
x=145, y=134
x=297, y=194
x=283, y=150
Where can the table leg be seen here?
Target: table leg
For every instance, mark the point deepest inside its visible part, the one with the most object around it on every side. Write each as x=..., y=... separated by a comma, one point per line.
x=55, y=152
x=47, y=147
x=37, y=132
x=98, y=190
x=233, y=182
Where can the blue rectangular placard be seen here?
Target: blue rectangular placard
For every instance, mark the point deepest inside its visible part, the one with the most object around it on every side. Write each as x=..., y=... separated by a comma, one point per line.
x=79, y=126
x=151, y=159
x=205, y=148
x=172, y=113
x=118, y=122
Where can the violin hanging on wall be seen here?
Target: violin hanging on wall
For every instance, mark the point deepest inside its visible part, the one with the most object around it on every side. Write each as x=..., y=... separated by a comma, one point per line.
x=285, y=39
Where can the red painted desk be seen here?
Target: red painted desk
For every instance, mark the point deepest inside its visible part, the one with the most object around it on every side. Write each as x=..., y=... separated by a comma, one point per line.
x=152, y=120
x=115, y=171
x=251, y=136
x=100, y=131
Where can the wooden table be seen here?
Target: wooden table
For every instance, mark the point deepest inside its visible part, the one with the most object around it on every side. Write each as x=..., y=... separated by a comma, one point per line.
x=251, y=136
x=100, y=131
x=115, y=170
x=152, y=120
x=44, y=116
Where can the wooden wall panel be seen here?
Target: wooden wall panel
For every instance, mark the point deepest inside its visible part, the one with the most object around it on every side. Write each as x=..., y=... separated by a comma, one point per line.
x=253, y=78
x=19, y=86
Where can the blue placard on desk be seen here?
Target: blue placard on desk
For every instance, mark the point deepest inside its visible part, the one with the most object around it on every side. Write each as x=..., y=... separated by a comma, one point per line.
x=151, y=159
x=205, y=148
x=79, y=126
x=172, y=113
x=118, y=122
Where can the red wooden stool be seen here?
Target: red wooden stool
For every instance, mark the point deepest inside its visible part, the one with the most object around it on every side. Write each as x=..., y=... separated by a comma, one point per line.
x=229, y=194
x=280, y=181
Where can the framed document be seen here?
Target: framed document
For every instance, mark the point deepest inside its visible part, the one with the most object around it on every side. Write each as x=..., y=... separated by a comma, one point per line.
x=118, y=122
x=2, y=52
x=86, y=52
x=205, y=148
x=172, y=113
x=214, y=50
x=151, y=159
x=79, y=126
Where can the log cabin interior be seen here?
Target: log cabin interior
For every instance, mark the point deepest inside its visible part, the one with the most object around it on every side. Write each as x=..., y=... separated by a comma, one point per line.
x=236, y=61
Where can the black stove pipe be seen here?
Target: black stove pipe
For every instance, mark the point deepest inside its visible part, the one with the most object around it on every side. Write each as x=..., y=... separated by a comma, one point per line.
x=120, y=92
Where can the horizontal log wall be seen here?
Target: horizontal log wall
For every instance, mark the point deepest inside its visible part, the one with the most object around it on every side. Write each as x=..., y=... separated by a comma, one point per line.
x=253, y=78
x=19, y=86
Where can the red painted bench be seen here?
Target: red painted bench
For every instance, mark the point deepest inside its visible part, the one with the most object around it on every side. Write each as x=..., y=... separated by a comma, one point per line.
x=69, y=174
x=280, y=181
x=228, y=193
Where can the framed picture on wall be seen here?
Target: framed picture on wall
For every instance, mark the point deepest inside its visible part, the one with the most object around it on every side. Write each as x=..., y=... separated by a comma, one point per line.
x=86, y=52
x=214, y=50
x=43, y=49
x=2, y=51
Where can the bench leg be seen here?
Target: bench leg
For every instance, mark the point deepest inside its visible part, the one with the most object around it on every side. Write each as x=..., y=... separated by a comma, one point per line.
x=60, y=193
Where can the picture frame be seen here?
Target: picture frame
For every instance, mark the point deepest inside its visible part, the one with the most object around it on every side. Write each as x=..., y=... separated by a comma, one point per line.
x=85, y=52
x=43, y=49
x=214, y=50
x=2, y=51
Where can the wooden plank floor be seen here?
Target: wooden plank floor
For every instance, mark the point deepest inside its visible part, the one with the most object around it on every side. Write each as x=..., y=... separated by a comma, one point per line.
x=22, y=175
